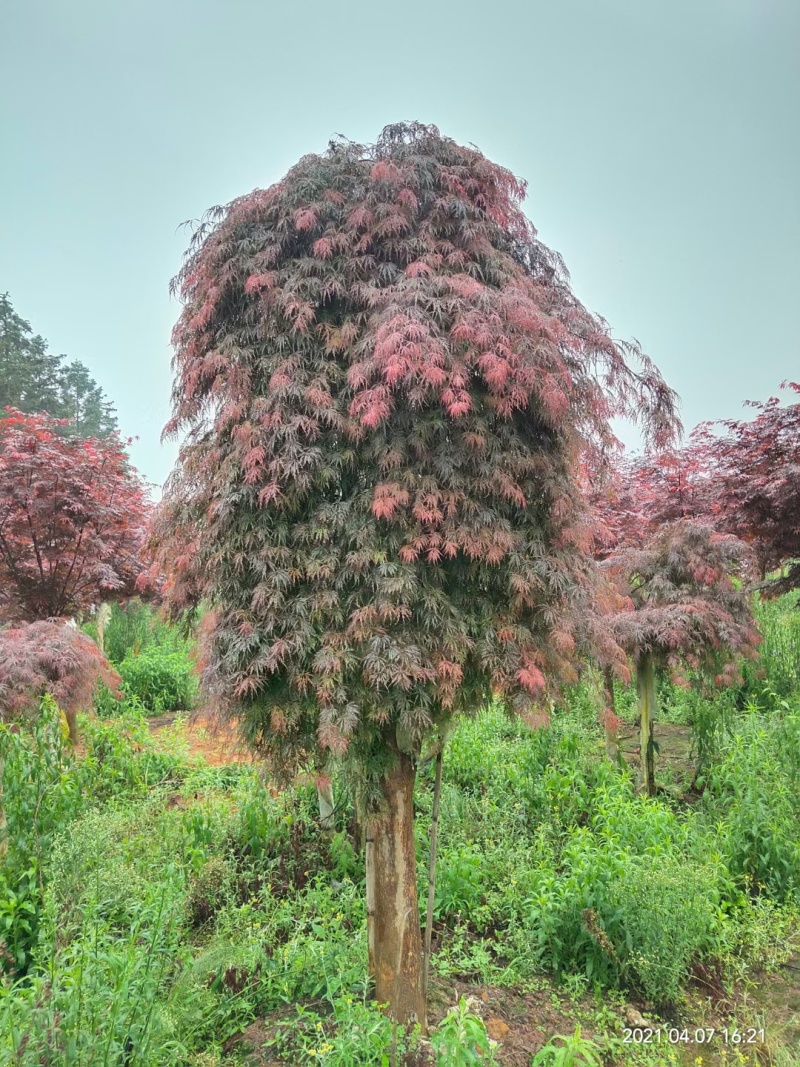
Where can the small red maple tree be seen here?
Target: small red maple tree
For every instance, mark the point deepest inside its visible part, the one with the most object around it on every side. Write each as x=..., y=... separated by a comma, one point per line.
x=741, y=476
x=51, y=657
x=73, y=518
x=685, y=610
x=635, y=495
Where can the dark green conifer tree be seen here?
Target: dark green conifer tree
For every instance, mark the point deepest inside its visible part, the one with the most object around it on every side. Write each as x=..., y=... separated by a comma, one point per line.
x=35, y=381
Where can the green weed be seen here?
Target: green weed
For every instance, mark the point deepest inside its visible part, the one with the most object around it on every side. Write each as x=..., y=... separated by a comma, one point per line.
x=162, y=678
x=461, y=1040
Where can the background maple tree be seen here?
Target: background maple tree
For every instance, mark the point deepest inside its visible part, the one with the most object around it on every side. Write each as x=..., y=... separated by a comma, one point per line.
x=687, y=611
x=756, y=465
x=741, y=476
x=73, y=514
x=50, y=657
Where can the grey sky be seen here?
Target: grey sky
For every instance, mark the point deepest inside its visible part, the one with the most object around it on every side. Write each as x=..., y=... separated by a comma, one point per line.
x=660, y=141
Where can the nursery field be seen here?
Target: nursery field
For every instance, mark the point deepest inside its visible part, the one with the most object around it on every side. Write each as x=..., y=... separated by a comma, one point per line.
x=162, y=904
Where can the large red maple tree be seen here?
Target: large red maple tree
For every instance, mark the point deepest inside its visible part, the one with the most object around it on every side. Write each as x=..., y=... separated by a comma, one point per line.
x=756, y=468
x=386, y=383
x=73, y=516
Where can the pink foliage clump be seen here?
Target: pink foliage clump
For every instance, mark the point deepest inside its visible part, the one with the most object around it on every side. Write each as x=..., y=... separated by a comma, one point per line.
x=50, y=656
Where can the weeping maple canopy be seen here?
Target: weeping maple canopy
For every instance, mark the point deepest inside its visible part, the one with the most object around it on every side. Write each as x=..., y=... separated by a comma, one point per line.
x=686, y=607
x=385, y=384
x=50, y=656
x=757, y=467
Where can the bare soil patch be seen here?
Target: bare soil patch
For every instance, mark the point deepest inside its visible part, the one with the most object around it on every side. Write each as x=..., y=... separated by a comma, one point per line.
x=203, y=737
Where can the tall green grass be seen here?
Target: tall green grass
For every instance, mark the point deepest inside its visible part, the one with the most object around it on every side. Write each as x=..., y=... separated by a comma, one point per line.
x=779, y=623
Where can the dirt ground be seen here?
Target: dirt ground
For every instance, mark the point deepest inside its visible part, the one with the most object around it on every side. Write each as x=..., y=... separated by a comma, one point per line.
x=520, y=1023
x=202, y=738
x=219, y=745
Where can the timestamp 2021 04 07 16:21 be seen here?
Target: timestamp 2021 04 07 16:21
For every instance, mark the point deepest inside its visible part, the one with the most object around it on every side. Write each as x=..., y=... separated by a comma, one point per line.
x=645, y=1035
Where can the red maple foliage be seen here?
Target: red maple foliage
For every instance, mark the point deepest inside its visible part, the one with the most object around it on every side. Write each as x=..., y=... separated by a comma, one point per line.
x=634, y=496
x=740, y=476
x=685, y=609
x=755, y=464
x=52, y=657
x=386, y=384
x=73, y=516
x=397, y=374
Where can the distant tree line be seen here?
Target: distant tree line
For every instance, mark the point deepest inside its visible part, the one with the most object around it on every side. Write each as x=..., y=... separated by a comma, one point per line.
x=36, y=381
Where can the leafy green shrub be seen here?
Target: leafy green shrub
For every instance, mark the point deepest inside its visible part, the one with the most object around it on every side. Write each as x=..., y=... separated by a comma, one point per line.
x=113, y=901
x=161, y=678
x=120, y=759
x=261, y=823
x=45, y=789
x=95, y=996
x=667, y=915
x=710, y=719
x=460, y=882
x=356, y=1034
x=618, y=916
x=638, y=824
x=779, y=623
x=134, y=626
x=208, y=890
x=754, y=795
x=573, y=1051
x=762, y=936
x=553, y=922
x=41, y=795
x=460, y=1039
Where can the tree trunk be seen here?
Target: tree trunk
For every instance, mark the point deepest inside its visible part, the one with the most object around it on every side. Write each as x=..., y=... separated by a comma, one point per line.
x=103, y=619
x=393, y=929
x=646, y=692
x=437, y=793
x=610, y=717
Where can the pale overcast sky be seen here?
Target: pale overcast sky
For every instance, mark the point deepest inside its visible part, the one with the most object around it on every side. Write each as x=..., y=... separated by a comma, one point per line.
x=660, y=140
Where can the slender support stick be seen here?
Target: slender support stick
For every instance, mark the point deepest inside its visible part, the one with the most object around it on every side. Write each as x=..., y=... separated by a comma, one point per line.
x=610, y=716
x=103, y=618
x=369, y=864
x=426, y=952
x=646, y=687
x=326, y=806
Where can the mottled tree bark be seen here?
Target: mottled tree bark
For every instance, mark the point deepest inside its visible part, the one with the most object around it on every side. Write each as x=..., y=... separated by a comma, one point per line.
x=646, y=691
x=393, y=928
x=437, y=794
